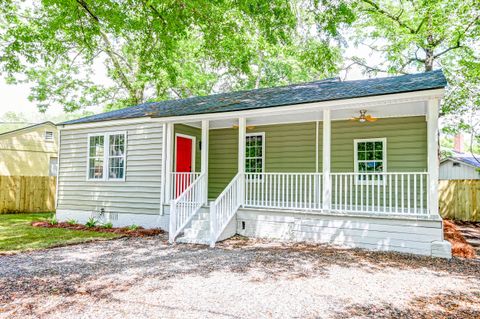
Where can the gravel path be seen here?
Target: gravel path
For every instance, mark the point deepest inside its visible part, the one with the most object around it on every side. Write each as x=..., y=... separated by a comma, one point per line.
x=146, y=278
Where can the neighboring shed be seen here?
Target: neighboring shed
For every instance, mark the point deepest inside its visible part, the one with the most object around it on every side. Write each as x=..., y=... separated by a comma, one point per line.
x=459, y=167
x=29, y=151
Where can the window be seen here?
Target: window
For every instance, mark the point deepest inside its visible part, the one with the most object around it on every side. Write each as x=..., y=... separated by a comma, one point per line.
x=106, y=156
x=255, y=153
x=370, y=157
x=456, y=164
x=96, y=154
x=53, y=166
x=48, y=136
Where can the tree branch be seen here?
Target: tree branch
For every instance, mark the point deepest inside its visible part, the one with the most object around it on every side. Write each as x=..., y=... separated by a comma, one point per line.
x=390, y=16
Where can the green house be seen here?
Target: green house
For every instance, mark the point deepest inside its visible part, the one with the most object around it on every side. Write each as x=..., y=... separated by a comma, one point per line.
x=352, y=163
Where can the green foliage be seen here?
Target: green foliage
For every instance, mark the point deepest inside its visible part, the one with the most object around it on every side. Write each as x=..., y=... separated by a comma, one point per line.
x=412, y=36
x=53, y=220
x=72, y=222
x=91, y=222
x=107, y=225
x=153, y=50
x=133, y=227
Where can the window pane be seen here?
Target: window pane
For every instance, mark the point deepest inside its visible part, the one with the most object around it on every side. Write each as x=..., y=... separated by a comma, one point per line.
x=362, y=156
x=378, y=146
x=362, y=167
x=369, y=146
x=378, y=166
x=378, y=155
x=369, y=155
x=95, y=168
x=361, y=146
x=117, y=145
x=96, y=146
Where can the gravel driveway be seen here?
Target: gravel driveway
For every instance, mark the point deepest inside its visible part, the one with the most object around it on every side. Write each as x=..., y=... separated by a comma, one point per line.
x=147, y=278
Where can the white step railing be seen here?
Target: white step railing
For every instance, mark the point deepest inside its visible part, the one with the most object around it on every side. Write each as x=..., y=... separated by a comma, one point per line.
x=225, y=206
x=284, y=190
x=180, y=181
x=382, y=193
x=186, y=205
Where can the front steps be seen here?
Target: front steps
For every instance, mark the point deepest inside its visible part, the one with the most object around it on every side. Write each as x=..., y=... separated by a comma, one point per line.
x=198, y=230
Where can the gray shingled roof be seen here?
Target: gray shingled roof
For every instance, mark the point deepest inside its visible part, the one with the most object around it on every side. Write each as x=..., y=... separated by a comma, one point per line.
x=318, y=91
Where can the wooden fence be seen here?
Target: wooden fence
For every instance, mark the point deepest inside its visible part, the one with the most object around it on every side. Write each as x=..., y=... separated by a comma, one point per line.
x=27, y=194
x=460, y=199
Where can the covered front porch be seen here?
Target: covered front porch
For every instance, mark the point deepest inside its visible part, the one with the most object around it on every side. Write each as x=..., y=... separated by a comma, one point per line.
x=311, y=160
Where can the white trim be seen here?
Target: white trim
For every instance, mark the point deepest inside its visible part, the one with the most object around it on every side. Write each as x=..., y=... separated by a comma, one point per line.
x=164, y=175
x=168, y=159
x=204, y=155
x=262, y=134
x=106, y=157
x=194, y=144
x=326, y=158
x=355, y=155
x=353, y=103
x=459, y=162
x=242, y=124
x=433, y=163
x=58, y=169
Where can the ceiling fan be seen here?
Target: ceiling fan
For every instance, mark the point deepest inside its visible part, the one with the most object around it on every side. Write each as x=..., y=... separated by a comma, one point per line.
x=364, y=117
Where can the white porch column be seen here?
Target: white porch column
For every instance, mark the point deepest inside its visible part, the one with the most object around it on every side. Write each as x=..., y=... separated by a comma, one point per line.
x=168, y=148
x=242, y=127
x=204, y=158
x=433, y=164
x=327, y=181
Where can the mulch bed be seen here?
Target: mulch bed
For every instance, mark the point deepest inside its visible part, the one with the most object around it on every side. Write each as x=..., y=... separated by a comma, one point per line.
x=460, y=247
x=138, y=232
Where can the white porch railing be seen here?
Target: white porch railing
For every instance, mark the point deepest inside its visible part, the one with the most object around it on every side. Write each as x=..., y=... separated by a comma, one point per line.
x=180, y=181
x=185, y=206
x=382, y=193
x=284, y=190
x=225, y=206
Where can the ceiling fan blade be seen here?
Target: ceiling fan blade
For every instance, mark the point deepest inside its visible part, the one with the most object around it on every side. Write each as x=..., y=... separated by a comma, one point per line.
x=354, y=118
x=371, y=118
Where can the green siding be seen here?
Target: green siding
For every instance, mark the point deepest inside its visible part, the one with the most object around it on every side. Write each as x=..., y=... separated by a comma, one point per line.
x=291, y=147
x=288, y=148
x=192, y=131
x=223, y=158
x=406, y=143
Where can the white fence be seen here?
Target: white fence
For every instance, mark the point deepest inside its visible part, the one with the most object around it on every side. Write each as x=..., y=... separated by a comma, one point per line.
x=185, y=206
x=284, y=190
x=225, y=206
x=180, y=181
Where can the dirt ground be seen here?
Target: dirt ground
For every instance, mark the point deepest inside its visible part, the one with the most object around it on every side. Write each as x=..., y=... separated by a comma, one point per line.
x=147, y=278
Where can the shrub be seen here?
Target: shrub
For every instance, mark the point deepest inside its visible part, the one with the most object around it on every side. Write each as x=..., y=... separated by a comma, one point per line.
x=72, y=222
x=53, y=220
x=107, y=225
x=91, y=222
x=132, y=227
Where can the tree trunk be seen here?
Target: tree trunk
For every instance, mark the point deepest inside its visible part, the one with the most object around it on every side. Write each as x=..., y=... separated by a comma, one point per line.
x=429, y=60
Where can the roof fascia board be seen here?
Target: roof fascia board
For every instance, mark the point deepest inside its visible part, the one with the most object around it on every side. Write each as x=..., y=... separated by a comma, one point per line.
x=27, y=128
x=456, y=161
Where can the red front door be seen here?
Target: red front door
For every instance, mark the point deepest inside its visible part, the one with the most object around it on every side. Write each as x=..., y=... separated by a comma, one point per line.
x=183, y=164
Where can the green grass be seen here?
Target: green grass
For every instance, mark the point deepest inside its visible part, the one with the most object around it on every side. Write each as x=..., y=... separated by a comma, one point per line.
x=16, y=234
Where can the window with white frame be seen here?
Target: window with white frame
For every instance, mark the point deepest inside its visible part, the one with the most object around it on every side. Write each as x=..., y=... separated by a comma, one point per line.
x=370, y=157
x=106, y=157
x=254, y=153
x=48, y=136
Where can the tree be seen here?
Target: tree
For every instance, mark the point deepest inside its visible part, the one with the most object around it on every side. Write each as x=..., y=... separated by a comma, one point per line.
x=423, y=35
x=151, y=49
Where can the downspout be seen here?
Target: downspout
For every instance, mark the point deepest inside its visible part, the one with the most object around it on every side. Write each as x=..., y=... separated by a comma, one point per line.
x=162, y=191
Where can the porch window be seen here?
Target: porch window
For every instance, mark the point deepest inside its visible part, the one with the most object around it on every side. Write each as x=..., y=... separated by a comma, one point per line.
x=255, y=153
x=370, y=158
x=106, y=156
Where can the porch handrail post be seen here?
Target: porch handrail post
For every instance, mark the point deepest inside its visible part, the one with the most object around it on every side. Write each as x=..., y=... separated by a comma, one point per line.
x=168, y=161
x=242, y=127
x=433, y=162
x=204, y=157
x=327, y=184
